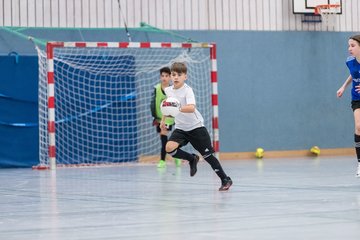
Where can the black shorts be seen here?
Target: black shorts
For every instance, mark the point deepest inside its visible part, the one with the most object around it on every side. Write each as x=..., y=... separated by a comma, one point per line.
x=199, y=138
x=355, y=104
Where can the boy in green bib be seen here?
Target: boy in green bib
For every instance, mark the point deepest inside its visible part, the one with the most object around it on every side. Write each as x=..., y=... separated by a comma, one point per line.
x=157, y=97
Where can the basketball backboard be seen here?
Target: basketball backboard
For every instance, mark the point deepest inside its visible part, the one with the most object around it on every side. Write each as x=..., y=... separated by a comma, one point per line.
x=308, y=6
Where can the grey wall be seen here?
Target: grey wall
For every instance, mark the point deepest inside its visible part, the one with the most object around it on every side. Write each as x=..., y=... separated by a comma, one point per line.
x=277, y=90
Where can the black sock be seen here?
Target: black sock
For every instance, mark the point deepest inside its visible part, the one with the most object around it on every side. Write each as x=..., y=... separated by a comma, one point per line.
x=178, y=153
x=164, y=139
x=216, y=166
x=357, y=146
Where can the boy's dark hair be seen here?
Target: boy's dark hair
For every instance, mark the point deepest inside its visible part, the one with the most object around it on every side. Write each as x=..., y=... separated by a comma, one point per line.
x=179, y=67
x=165, y=70
x=356, y=38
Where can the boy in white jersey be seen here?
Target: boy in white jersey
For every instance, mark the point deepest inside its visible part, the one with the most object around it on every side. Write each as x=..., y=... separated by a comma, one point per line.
x=189, y=127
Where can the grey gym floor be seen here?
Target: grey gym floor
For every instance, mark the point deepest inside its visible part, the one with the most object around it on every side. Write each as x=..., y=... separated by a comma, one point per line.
x=297, y=198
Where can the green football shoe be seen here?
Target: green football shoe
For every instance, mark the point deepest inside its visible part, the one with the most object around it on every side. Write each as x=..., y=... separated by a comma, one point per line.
x=161, y=164
x=177, y=162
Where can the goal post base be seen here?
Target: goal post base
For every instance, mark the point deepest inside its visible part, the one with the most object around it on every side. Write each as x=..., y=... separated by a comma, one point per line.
x=41, y=167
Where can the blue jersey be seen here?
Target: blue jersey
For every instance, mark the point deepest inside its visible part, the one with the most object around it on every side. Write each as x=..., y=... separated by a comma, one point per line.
x=354, y=68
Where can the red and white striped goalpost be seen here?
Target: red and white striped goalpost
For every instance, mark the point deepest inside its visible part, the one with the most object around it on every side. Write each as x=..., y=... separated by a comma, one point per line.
x=51, y=83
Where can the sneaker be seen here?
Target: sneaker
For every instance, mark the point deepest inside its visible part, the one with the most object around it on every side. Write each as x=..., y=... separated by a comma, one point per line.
x=225, y=184
x=161, y=164
x=358, y=171
x=193, y=165
x=177, y=162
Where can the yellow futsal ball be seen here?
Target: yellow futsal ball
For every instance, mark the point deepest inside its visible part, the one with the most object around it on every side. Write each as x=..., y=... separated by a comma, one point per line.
x=259, y=153
x=315, y=150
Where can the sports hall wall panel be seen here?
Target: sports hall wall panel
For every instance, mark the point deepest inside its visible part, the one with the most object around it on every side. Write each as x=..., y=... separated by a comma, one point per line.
x=258, y=15
x=277, y=90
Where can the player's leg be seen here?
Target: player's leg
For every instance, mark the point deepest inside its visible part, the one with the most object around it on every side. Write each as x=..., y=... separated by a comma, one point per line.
x=178, y=139
x=177, y=162
x=356, y=108
x=201, y=141
x=166, y=132
x=163, y=139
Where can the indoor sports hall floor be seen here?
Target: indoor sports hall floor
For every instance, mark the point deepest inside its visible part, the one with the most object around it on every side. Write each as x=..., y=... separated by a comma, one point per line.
x=298, y=198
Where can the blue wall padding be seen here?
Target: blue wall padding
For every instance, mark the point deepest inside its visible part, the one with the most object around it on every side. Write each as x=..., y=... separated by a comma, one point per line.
x=18, y=111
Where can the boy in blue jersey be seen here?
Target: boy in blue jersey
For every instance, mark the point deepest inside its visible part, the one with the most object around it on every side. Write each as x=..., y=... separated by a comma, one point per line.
x=156, y=99
x=189, y=128
x=353, y=63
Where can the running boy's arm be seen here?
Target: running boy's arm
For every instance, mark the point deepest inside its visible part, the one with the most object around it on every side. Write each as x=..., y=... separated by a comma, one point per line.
x=341, y=90
x=190, y=103
x=189, y=108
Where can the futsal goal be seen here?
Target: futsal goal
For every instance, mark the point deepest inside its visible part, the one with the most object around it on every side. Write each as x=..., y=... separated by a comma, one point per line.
x=94, y=99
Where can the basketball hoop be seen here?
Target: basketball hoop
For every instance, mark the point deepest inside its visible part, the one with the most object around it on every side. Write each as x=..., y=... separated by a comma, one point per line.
x=328, y=13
